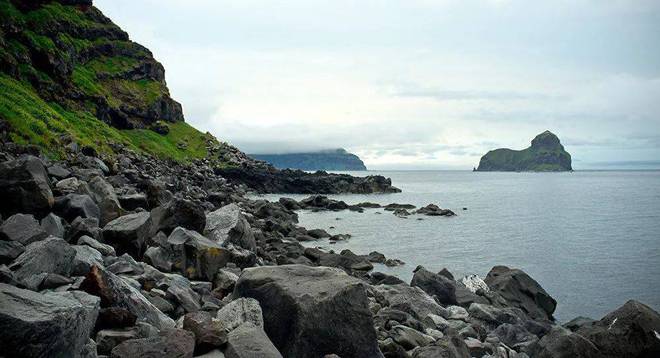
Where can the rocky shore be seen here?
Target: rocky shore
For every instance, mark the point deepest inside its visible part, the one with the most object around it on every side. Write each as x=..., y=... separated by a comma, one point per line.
x=136, y=257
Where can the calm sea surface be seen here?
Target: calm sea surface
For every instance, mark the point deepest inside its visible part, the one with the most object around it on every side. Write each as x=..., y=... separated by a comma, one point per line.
x=590, y=238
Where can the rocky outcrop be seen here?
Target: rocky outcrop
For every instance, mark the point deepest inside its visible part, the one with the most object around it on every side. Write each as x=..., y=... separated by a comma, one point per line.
x=227, y=225
x=175, y=343
x=24, y=187
x=310, y=312
x=546, y=154
x=521, y=291
x=337, y=159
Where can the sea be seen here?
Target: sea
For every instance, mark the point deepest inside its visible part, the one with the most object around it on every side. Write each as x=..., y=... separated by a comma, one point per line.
x=590, y=238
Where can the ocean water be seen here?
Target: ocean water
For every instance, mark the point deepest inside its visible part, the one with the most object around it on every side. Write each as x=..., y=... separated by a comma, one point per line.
x=590, y=238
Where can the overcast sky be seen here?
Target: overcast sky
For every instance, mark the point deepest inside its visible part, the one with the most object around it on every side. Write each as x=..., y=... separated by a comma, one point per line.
x=412, y=83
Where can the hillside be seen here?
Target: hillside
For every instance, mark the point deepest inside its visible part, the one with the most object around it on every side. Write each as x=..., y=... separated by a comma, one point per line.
x=546, y=154
x=69, y=77
x=337, y=159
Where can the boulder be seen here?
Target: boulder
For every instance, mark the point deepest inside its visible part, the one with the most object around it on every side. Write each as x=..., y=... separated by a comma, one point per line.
x=115, y=317
x=107, y=339
x=72, y=206
x=81, y=227
x=52, y=255
x=22, y=228
x=53, y=225
x=159, y=258
x=134, y=201
x=58, y=172
x=436, y=285
x=412, y=300
x=105, y=250
x=250, y=341
x=10, y=250
x=128, y=233
x=45, y=325
x=445, y=347
x=240, y=311
x=86, y=257
x=209, y=333
x=195, y=256
x=562, y=343
x=24, y=187
x=104, y=195
x=520, y=290
x=409, y=338
x=632, y=330
x=175, y=213
x=228, y=225
x=115, y=291
x=312, y=311
x=179, y=290
x=172, y=343
x=434, y=210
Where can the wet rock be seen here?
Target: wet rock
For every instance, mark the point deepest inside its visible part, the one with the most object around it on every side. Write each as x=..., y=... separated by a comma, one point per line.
x=22, y=228
x=434, y=210
x=173, y=343
x=436, y=285
x=24, y=187
x=114, y=291
x=45, y=325
x=52, y=255
x=128, y=233
x=395, y=206
x=318, y=233
x=72, y=206
x=196, y=256
x=105, y=250
x=633, y=330
x=521, y=291
x=175, y=213
x=248, y=341
x=228, y=225
x=10, y=250
x=53, y=225
x=104, y=195
x=290, y=204
x=312, y=311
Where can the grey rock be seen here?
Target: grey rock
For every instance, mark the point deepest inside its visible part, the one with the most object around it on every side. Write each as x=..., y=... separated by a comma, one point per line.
x=312, y=311
x=436, y=285
x=250, y=341
x=52, y=255
x=127, y=234
x=10, y=250
x=195, y=256
x=134, y=201
x=24, y=187
x=72, y=206
x=104, y=195
x=562, y=343
x=446, y=347
x=492, y=315
x=240, y=311
x=81, y=227
x=22, y=228
x=410, y=338
x=228, y=225
x=107, y=339
x=86, y=257
x=521, y=291
x=173, y=343
x=45, y=325
x=411, y=300
x=209, y=333
x=53, y=225
x=177, y=212
x=158, y=258
x=114, y=291
x=179, y=290
x=105, y=250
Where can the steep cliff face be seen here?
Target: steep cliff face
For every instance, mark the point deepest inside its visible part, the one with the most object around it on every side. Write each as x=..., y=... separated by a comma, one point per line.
x=545, y=154
x=338, y=159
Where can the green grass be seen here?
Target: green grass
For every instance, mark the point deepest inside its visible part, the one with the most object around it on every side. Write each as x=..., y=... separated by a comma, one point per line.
x=112, y=66
x=9, y=14
x=40, y=42
x=55, y=14
x=34, y=121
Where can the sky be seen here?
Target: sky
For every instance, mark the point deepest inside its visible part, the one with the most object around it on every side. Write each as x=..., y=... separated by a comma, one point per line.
x=414, y=84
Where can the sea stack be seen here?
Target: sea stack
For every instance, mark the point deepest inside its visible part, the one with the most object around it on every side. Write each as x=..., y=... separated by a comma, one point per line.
x=546, y=154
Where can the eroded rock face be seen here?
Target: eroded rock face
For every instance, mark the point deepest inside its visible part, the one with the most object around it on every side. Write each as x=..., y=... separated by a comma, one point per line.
x=24, y=187
x=633, y=330
x=521, y=291
x=312, y=311
x=228, y=225
x=45, y=325
x=114, y=291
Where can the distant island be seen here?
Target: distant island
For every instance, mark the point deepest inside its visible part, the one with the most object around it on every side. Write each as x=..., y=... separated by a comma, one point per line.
x=333, y=159
x=546, y=154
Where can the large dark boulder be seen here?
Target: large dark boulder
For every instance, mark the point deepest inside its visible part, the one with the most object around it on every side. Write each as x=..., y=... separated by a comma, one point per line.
x=195, y=256
x=115, y=291
x=10, y=250
x=562, y=343
x=52, y=255
x=22, y=228
x=173, y=343
x=633, y=331
x=72, y=206
x=441, y=287
x=178, y=212
x=104, y=195
x=228, y=225
x=24, y=187
x=522, y=291
x=45, y=325
x=312, y=311
x=412, y=300
x=128, y=233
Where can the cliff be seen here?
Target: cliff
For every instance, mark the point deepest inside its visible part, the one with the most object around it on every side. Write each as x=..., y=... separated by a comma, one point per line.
x=338, y=159
x=546, y=154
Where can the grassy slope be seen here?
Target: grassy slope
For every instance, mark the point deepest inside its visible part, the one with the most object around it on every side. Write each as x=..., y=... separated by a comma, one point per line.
x=35, y=121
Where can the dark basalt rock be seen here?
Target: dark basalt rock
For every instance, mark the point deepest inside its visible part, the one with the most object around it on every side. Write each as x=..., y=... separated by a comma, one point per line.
x=174, y=343
x=52, y=255
x=115, y=317
x=195, y=256
x=520, y=290
x=209, y=333
x=127, y=234
x=228, y=225
x=72, y=206
x=24, y=187
x=545, y=154
x=22, y=228
x=309, y=312
x=436, y=285
x=248, y=341
x=9, y=250
x=630, y=331
x=562, y=343
x=178, y=212
x=434, y=210
x=45, y=325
